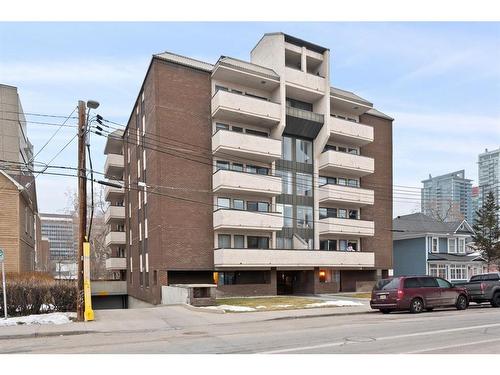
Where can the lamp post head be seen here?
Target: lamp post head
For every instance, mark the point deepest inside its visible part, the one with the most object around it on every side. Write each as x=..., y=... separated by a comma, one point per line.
x=92, y=104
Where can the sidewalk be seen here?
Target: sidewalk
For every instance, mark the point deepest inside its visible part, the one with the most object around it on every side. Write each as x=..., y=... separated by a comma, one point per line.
x=165, y=318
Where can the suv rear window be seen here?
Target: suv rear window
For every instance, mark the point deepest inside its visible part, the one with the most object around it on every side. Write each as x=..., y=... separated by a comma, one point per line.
x=412, y=283
x=386, y=284
x=477, y=278
x=492, y=277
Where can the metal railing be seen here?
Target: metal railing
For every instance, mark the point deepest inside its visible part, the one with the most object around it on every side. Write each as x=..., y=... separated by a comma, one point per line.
x=305, y=115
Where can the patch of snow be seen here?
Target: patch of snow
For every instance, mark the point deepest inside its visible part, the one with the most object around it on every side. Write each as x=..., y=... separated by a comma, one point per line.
x=229, y=308
x=261, y=307
x=337, y=303
x=279, y=306
x=52, y=318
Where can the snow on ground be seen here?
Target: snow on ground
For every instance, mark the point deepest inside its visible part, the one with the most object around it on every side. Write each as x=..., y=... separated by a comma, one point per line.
x=281, y=306
x=52, y=318
x=230, y=308
x=337, y=303
x=261, y=307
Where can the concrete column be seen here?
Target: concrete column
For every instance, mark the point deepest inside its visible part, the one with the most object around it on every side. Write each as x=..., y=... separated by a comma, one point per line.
x=303, y=60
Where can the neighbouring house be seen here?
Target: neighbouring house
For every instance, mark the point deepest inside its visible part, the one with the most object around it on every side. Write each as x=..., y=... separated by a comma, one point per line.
x=425, y=246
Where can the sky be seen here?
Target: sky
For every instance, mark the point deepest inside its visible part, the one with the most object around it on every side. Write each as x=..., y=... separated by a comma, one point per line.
x=440, y=81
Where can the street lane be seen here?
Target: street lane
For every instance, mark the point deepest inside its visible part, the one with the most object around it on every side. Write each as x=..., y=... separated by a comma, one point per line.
x=476, y=330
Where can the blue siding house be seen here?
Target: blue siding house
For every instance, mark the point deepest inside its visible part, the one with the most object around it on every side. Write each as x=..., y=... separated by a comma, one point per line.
x=425, y=246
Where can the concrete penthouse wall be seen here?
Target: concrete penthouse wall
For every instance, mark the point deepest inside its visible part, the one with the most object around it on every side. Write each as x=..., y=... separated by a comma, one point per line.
x=180, y=230
x=409, y=257
x=381, y=182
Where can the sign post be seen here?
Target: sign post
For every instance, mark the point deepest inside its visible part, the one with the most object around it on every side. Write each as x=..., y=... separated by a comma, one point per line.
x=3, y=284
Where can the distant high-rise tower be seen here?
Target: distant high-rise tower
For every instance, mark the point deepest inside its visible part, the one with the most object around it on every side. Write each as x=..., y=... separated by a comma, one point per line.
x=475, y=202
x=489, y=174
x=448, y=197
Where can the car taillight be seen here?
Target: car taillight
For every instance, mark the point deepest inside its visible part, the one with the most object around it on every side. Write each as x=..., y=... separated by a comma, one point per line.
x=401, y=293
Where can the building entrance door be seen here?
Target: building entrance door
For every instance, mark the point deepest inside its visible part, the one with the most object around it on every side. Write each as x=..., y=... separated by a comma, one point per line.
x=285, y=281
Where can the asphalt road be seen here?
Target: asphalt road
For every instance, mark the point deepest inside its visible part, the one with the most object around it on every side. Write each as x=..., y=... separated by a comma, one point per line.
x=474, y=331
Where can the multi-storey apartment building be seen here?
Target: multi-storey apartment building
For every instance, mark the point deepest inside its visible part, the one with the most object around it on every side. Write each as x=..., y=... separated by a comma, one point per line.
x=257, y=175
x=474, y=202
x=59, y=230
x=489, y=175
x=448, y=197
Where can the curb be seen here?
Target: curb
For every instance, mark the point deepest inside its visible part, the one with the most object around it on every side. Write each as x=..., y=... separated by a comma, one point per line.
x=321, y=315
x=47, y=334
x=198, y=309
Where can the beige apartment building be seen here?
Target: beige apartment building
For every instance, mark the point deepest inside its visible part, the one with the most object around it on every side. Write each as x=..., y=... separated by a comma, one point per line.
x=256, y=175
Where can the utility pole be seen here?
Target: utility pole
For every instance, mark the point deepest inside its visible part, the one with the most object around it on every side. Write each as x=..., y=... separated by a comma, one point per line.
x=82, y=204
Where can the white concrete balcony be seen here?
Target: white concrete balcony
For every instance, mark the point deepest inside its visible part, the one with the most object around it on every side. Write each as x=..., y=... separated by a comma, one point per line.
x=108, y=287
x=230, y=182
x=114, y=214
x=247, y=220
x=315, y=84
x=349, y=132
x=115, y=238
x=348, y=227
x=247, y=258
x=116, y=263
x=228, y=106
x=113, y=193
x=113, y=167
x=346, y=164
x=347, y=195
x=228, y=143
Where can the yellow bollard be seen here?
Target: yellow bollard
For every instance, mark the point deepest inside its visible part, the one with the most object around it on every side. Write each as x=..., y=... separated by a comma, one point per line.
x=89, y=313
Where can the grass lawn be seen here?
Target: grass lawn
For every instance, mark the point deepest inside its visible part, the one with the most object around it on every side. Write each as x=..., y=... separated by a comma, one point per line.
x=269, y=303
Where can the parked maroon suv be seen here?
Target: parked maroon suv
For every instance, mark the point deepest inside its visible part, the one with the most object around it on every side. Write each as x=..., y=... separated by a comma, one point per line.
x=416, y=293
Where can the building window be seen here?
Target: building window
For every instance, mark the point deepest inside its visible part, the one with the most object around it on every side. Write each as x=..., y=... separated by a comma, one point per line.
x=255, y=242
x=237, y=167
x=342, y=213
x=223, y=203
x=452, y=245
x=222, y=165
x=458, y=272
x=286, y=181
x=287, y=210
x=224, y=241
x=330, y=245
x=437, y=270
x=243, y=277
x=258, y=206
x=304, y=217
x=238, y=204
x=353, y=214
x=304, y=184
x=342, y=245
x=155, y=277
x=303, y=151
x=219, y=126
x=329, y=276
x=257, y=170
x=461, y=245
x=283, y=242
x=286, y=145
x=239, y=241
x=435, y=245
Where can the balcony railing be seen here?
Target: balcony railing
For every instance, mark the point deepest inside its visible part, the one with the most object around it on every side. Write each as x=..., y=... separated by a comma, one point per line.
x=350, y=227
x=350, y=132
x=227, y=258
x=345, y=163
x=305, y=115
x=227, y=181
x=345, y=194
x=247, y=220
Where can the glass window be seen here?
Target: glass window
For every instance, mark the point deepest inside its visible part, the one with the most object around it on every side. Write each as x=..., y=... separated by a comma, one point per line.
x=353, y=214
x=223, y=203
x=428, y=282
x=452, y=245
x=286, y=145
x=411, y=283
x=252, y=206
x=342, y=149
x=286, y=181
x=342, y=181
x=303, y=151
x=353, y=151
x=323, y=244
x=255, y=242
x=263, y=206
x=224, y=241
x=461, y=245
x=343, y=245
x=237, y=129
x=304, y=184
x=222, y=164
x=220, y=126
x=217, y=88
x=263, y=170
x=237, y=167
x=435, y=244
x=283, y=242
x=342, y=213
x=239, y=241
x=353, y=183
x=288, y=216
x=238, y=204
x=443, y=283
x=322, y=180
x=304, y=217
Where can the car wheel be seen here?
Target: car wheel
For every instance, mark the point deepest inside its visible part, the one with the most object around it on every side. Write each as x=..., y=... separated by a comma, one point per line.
x=385, y=311
x=495, y=302
x=461, y=302
x=429, y=309
x=416, y=306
